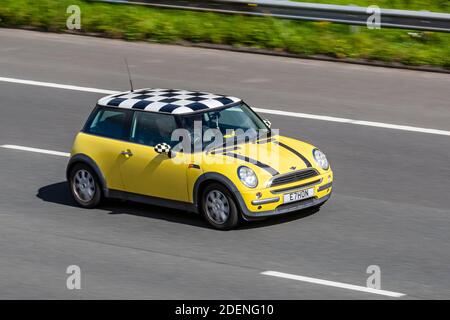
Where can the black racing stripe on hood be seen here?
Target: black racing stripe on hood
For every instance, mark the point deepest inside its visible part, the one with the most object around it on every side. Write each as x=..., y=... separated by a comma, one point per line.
x=264, y=166
x=265, y=140
x=298, y=154
x=223, y=150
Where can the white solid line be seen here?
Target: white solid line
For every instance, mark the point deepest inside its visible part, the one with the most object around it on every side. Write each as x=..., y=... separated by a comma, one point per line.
x=56, y=85
x=56, y=153
x=268, y=111
x=352, y=121
x=332, y=283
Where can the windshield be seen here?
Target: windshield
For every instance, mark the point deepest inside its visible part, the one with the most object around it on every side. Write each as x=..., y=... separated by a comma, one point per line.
x=238, y=122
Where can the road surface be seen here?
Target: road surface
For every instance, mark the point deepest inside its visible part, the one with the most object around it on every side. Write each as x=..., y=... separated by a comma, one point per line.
x=389, y=206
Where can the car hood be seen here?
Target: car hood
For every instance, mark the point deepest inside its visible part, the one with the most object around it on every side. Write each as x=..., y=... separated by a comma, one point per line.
x=270, y=156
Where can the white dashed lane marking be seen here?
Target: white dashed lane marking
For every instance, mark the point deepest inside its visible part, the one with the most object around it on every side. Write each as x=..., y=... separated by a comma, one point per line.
x=37, y=150
x=352, y=121
x=56, y=85
x=267, y=111
x=333, y=284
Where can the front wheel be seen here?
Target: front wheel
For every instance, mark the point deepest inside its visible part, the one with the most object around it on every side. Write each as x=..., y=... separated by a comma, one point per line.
x=219, y=207
x=85, y=186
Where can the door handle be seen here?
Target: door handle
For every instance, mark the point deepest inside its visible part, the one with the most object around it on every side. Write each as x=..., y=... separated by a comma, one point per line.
x=127, y=153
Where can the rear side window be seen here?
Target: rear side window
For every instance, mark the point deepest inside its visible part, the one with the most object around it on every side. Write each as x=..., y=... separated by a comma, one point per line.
x=110, y=123
x=152, y=128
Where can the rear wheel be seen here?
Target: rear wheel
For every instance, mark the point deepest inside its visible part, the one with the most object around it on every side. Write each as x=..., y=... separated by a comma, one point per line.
x=85, y=186
x=219, y=207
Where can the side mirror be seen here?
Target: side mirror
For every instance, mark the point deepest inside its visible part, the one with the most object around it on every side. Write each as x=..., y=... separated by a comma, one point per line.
x=267, y=122
x=164, y=148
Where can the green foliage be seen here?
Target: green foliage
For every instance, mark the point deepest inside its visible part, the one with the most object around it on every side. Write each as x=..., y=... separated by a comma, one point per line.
x=430, y=5
x=140, y=23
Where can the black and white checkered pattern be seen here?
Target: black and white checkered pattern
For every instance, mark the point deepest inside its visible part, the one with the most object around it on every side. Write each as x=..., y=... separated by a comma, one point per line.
x=167, y=100
x=162, y=148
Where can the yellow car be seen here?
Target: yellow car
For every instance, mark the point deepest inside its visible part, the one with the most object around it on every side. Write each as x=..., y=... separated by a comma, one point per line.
x=194, y=151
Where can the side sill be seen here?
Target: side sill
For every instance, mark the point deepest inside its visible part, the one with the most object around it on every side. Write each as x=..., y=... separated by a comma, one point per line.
x=179, y=205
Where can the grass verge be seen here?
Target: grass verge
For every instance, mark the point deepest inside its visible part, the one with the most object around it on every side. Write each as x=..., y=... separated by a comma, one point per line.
x=173, y=26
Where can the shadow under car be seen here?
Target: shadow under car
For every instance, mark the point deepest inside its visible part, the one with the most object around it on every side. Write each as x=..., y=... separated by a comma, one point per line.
x=60, y=193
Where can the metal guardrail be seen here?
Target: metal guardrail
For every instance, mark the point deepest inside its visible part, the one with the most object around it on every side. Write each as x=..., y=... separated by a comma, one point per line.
x=354, y=15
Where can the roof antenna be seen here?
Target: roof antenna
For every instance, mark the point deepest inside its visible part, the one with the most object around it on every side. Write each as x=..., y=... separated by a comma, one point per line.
x=129, y=75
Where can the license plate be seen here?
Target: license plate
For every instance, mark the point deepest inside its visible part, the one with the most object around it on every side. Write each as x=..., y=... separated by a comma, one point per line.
x=298, y=195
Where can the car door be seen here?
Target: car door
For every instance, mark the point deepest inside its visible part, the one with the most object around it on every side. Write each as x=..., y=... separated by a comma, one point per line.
x=104, y=139
x=147, y=172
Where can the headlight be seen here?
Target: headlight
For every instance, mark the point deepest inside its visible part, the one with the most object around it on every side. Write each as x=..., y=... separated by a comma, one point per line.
x=247, y=176
x=321, y=159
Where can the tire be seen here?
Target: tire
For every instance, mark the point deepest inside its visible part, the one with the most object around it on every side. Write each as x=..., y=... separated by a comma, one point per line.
x=219, y=207
x=85, y=186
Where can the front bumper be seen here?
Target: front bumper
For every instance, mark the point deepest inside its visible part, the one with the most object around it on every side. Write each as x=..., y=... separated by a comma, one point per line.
x=270, y=201
x=290, y=207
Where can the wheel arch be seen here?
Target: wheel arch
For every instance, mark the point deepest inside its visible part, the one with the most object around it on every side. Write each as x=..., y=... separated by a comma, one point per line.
x=213, y=177
x=82, y=158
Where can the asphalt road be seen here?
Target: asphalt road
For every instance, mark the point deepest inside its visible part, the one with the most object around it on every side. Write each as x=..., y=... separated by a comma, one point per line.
x=389, y=207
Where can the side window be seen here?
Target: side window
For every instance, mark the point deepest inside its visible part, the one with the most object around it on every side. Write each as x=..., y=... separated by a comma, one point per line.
x=110, y=123
x=152, y=128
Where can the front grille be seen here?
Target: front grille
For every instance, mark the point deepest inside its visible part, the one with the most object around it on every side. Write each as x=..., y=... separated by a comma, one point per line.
x=293, y=177
x=297, y=186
